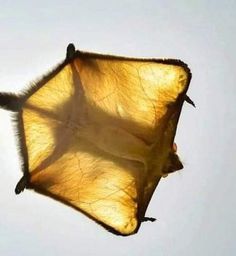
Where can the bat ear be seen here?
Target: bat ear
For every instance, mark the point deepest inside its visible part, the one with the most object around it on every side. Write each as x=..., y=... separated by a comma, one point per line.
x=9, y=101
x=173, y=164
x=70, y=51
x=176, y=164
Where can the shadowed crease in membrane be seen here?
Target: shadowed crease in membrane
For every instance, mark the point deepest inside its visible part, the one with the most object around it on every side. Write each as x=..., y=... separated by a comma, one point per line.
x=139, y=172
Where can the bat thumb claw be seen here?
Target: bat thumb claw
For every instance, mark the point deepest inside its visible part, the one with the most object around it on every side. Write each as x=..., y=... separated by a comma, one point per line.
x=70, y=51
x=187, y=99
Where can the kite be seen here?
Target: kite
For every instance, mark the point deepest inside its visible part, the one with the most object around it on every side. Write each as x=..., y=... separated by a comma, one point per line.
x=97, y=133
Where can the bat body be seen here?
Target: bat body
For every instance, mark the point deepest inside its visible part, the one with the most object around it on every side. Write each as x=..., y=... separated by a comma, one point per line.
x=97, y=133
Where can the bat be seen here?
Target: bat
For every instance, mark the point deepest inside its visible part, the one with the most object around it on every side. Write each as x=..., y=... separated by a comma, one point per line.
x=97, y=133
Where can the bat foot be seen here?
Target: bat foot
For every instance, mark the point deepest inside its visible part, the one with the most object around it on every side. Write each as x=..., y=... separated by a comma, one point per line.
x=70, y=51
x=149, y=219
x=187, y=99
x=21, y=185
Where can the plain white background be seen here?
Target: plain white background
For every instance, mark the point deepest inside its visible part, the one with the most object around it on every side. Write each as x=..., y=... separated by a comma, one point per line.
x=195, y=208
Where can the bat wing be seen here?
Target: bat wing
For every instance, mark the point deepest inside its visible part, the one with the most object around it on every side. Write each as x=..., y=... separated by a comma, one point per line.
x=97, y=134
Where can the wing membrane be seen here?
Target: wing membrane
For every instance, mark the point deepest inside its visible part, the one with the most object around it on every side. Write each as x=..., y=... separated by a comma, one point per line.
x=99, y=134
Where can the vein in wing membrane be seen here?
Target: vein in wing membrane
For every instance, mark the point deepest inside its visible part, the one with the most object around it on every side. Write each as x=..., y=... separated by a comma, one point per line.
x=94, y=133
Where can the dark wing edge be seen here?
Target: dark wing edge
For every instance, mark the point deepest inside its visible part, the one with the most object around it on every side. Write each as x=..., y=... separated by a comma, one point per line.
x=57, y=198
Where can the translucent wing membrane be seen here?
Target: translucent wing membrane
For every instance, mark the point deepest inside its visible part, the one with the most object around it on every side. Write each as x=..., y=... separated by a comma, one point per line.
x=98, y=134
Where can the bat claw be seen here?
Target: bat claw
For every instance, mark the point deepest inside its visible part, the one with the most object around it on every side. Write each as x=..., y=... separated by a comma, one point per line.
x=21, y=185
x=187, y=99
x=70, y=51
x=149, y=219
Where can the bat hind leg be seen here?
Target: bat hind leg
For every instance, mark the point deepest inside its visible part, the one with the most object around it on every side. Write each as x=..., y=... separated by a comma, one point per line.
x=21, y=185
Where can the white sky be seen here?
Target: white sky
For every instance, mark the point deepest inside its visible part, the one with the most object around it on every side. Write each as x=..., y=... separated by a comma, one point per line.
x=195, y=209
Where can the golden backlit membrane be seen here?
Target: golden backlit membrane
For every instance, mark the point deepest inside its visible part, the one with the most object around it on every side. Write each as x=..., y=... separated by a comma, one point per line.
x=99, y=135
